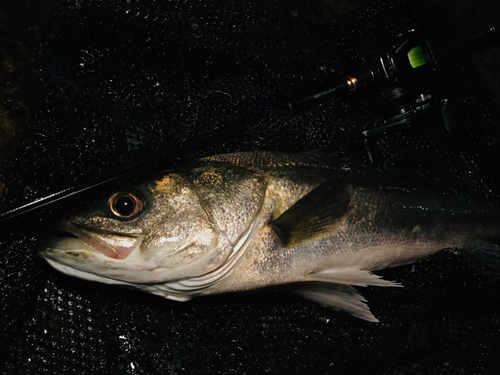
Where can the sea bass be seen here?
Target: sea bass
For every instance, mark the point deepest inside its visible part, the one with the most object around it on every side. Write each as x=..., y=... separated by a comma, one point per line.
x=242, y=221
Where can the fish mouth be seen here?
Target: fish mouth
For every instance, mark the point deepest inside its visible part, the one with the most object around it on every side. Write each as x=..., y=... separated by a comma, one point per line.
x=113, y=245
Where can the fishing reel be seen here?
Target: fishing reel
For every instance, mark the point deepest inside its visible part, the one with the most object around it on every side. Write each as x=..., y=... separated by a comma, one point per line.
x=406, y=81
x=411, y=91
x=404, y=114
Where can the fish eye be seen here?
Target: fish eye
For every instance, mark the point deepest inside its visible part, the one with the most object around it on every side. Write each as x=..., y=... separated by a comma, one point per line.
x=126, y=205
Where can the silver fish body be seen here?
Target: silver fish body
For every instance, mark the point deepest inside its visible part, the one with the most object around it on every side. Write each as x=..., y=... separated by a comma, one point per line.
x=248, y=220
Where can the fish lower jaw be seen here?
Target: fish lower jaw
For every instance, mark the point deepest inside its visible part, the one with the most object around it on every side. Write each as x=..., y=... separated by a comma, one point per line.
x=95, y=266
x=156, y=289
x=68, y=270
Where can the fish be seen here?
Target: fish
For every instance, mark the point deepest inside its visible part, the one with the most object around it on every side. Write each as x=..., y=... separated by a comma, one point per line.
x=249, y=220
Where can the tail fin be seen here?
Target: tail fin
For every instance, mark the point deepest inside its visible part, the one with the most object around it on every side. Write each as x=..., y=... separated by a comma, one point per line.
x=487, y=253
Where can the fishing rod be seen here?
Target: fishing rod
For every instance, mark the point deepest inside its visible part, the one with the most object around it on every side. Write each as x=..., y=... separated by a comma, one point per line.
x=140, y=168
x=412, y=59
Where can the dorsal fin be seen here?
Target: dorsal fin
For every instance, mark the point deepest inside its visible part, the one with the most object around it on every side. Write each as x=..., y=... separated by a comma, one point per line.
x=319, y=213
x=275, y=160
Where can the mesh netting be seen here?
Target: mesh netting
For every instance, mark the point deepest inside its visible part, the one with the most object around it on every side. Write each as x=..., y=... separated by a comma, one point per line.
x=123, y=80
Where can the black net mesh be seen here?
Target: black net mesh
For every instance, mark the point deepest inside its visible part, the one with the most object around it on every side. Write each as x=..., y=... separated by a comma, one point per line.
x=119, y=81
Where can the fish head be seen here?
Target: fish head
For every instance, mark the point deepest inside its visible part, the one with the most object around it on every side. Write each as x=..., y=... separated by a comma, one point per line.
x=176, y=227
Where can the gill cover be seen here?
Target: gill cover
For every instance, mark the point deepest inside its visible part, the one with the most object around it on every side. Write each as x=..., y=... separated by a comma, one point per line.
x=231, y=196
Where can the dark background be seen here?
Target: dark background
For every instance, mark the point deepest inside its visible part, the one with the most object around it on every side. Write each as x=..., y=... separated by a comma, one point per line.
x=90, y=86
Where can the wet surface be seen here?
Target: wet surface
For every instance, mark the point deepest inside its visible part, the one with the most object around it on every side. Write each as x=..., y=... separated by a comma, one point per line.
x=90, y=86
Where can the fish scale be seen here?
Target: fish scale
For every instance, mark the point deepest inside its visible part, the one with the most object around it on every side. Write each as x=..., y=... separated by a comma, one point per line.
x=250, y=220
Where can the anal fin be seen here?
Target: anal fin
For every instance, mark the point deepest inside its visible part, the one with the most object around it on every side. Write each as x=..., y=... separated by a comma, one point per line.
x=350, y=276
x=333, y=288
x=337, y=296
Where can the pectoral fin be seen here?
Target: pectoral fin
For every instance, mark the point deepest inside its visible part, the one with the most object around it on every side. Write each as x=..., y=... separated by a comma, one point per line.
x=317, y=214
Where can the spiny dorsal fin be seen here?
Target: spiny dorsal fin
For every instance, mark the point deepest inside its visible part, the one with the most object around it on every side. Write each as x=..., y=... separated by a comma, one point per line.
x=319, y=213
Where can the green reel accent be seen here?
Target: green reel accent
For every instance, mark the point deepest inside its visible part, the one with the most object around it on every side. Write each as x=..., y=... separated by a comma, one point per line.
x=416, y=57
